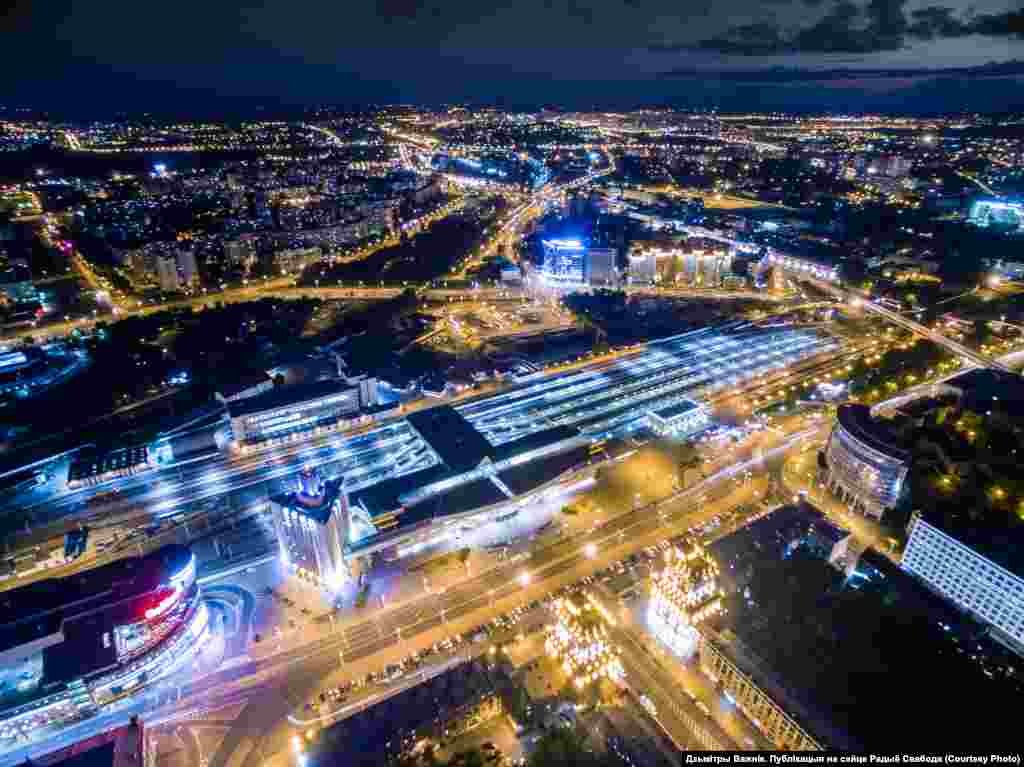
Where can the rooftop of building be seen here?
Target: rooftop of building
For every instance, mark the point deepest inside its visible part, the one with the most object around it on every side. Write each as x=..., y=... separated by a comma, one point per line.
x=529, y=476
x=40, y=608
x=242, y=381
x=460, y=498
x=283, y=396
x=997, y=536
x=382, y=729
x=460, y=446
x=118, y=747
x=317, y=508
x=682, y=407
x=856, y=420
x=91, y=462
x=848, y=658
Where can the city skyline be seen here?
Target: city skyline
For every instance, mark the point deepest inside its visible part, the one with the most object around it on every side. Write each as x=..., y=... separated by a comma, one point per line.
x=520, y=428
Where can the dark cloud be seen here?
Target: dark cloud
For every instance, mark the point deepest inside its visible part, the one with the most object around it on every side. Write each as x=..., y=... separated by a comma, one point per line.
x=934, y=22
x=1009, y=24
x=878, y=25
x=406, y=10
x=792, y=75
x=581, y=10
x=92, y=58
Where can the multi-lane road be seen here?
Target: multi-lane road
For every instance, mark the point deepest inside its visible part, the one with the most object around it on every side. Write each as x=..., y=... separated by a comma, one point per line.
x=362, y=644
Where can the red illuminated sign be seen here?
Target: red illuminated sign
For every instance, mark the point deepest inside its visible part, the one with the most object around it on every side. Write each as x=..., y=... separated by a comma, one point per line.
x=163, y=605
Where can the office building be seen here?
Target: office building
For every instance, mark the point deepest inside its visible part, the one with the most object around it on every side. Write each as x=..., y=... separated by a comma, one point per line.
x=599, y=267
x=293, y=260
x=867, y=462
x=643, y=269
x=76, y=642
x=754, y=700
x=313, y=525
x=707, y=268
x=188, y=272
x=288, y=411
x=1007, y=215
x=811, y=649
x=563, y=261
x=976, y=565
x=241, y=253
x=167, y=272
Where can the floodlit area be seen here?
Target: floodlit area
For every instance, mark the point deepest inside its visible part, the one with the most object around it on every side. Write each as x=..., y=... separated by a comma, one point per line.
x=617, y=396
x=388, y=451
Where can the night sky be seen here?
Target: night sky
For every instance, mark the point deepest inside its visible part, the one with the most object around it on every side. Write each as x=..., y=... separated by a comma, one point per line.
x=91, y=57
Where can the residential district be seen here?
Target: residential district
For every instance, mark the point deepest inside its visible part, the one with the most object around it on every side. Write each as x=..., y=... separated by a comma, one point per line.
x=464, y=436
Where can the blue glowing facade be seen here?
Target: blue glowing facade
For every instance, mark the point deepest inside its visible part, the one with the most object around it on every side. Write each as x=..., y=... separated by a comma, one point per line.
x=1008, y=215
x=564, y=261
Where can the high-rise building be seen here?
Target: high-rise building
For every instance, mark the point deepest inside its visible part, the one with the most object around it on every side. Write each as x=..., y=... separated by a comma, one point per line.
x=563, y=261
x=976, y=565
x=313, y=526
x=188, y=272
x=712, y=267
x=167, y=272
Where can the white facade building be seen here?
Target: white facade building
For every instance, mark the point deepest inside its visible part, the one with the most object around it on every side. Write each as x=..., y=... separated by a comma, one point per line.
x=968, y=578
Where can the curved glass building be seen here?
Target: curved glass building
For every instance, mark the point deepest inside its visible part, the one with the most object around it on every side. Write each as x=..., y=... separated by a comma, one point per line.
x=867, y=463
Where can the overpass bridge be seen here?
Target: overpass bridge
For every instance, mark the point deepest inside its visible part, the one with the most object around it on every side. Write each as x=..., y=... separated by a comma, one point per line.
x=858, y=298
x=980, y=360
x=915, y=327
